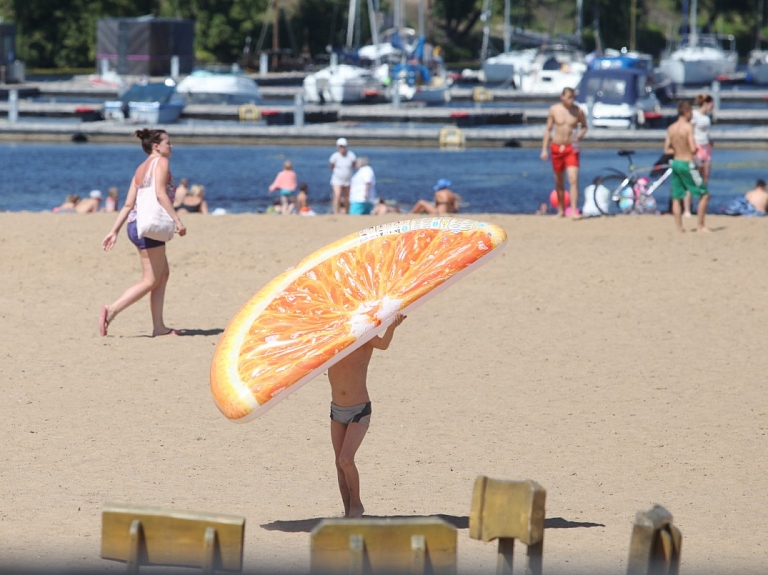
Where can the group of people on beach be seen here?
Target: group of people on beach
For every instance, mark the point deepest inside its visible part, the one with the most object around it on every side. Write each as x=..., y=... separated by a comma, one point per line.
x=350, y=410
x=188, y=200
x=688, y=143
x=353, y=189
x=74, y=204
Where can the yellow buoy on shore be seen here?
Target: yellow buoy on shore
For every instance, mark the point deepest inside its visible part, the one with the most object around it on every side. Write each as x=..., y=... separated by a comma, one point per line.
x=249, y=113
x=452, y=138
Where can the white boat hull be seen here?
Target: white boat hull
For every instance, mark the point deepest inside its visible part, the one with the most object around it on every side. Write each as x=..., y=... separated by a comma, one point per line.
x=758, y=67
x=219, y=89
x=503, y=67
x=430, y=95
x=689, y=66
x=550, y=82
x=341, y=84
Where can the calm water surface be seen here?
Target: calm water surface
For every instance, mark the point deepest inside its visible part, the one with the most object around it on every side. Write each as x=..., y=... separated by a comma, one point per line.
x=37, y=177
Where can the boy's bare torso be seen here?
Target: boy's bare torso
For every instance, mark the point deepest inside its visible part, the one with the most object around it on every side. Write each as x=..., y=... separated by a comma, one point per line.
x=564, y=122
x=348, y=378
x=680, y=136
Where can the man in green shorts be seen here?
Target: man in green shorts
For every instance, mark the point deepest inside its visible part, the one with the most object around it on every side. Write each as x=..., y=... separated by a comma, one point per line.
x=685, y=177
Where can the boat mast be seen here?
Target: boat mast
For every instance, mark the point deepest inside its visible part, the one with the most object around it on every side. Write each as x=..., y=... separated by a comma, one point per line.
x=374, y=28
x=351, y=17
x=485, y=16
x=693, y=37
x=421, y=17
x=579, y=8
x=507, y=26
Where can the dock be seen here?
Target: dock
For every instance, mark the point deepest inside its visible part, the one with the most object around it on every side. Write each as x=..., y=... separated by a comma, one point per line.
x=285, y=87
x=71, y=111
x=426, y=135
x=370, y=113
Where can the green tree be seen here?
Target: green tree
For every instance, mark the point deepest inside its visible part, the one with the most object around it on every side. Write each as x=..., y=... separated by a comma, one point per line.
x=458, y=18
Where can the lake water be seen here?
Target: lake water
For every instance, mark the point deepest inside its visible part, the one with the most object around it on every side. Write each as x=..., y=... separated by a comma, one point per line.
x=37, y=177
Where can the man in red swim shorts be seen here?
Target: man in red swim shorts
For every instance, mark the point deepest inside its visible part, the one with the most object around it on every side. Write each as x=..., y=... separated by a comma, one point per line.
x=564, y=117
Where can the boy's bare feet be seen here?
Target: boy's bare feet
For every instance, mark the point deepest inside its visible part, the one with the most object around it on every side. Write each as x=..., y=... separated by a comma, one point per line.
x=356, y=512
x=704, y=229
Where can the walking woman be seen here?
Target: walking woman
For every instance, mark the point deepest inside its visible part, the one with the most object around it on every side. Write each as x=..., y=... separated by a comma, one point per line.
x=701, y=122
x=154, y=264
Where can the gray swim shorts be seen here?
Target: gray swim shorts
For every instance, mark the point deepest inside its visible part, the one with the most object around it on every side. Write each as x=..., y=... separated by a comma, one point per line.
x=352, y=414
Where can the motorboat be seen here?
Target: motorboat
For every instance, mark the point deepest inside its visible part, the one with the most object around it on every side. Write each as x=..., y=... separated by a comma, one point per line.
x=618, y=97
x=555, y=67
x=757, y=66
x=698, y=58
x=341, y=84
x=612, y=59
x=219, y=86
x=147, y=103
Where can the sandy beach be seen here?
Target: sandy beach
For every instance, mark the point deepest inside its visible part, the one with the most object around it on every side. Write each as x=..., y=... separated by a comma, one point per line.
x=614, y=361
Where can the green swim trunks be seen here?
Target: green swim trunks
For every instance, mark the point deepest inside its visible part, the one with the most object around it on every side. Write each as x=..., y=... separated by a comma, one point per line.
x=685, y=177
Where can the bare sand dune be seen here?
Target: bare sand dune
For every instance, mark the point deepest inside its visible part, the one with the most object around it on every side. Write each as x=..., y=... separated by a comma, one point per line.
x=615, y=362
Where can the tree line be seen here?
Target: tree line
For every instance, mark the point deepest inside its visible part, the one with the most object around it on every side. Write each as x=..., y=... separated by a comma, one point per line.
x=62, y=33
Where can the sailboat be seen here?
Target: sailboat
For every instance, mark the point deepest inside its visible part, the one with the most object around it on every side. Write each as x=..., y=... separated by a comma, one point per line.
x=757, y=65
x=343, y=83
x=510, y=65
x=412, y=79
x=557, y=64
x=698, y=58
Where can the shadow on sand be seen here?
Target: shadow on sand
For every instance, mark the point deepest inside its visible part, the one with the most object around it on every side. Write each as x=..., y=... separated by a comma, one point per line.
x=307, y=525
x=189, y=332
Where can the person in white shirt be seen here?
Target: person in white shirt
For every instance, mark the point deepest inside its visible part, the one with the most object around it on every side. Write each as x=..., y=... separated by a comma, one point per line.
x=701, y=124
x=342, y=164
x=362, y=193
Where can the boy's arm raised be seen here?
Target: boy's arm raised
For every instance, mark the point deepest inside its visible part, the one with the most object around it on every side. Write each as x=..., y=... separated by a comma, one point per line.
x=382, y=341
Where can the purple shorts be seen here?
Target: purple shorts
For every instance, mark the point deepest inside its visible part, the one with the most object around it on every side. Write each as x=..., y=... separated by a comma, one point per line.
x=141, y=243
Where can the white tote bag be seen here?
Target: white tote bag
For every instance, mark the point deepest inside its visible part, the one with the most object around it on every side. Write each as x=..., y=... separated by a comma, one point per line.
x=152, y=221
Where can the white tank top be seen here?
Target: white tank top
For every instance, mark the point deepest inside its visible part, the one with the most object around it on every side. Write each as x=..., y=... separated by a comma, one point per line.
x=701, y=124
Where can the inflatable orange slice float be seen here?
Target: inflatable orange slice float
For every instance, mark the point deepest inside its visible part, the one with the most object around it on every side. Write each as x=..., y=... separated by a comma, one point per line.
x=335, y=300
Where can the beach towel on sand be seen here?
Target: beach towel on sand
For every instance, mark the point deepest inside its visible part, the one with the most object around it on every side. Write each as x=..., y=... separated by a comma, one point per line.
x=742, y=207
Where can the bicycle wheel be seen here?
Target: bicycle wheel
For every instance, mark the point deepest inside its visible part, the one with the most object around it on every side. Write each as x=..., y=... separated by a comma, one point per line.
x=614, y=194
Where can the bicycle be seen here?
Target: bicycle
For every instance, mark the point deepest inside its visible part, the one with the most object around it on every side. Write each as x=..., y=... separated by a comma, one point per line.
x=621, y=193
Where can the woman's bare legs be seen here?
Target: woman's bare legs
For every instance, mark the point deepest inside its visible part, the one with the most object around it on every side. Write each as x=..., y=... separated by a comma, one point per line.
x=157, y=295
x=154, y=277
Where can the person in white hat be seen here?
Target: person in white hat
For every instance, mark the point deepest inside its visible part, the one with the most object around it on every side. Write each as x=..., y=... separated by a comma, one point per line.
x=342, y=166
x=90, y=204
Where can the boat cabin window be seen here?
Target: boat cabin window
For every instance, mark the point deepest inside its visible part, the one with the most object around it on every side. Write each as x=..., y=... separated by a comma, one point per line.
x=606, y=88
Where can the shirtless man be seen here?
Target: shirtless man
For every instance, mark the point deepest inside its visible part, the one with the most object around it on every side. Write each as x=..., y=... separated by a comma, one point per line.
x=685, y=177
x=91, y=204
x=564, y=117
x=758, y=197
x=446, y=201
x=351, y=414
